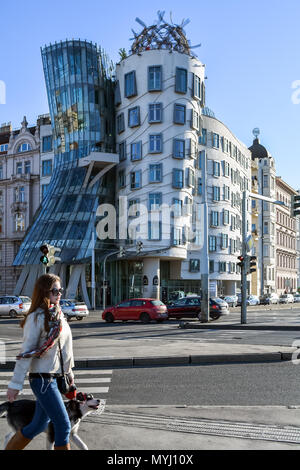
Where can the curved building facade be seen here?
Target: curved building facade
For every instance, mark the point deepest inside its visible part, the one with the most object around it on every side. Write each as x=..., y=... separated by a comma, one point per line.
x=80, y=94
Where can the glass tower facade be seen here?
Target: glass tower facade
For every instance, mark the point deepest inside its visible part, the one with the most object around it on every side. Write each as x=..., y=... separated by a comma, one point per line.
x=80, y=92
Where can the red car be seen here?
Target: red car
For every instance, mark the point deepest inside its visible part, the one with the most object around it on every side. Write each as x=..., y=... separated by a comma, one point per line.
x=144, y=310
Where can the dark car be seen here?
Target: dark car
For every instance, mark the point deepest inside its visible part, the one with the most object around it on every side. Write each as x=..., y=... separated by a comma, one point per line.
x=144, y=310
x=191, y=307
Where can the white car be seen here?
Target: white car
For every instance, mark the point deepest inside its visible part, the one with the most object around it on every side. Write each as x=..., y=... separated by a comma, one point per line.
x=73, y=308
x=297, y=298
x=232, y=300
x=286, y=299
x=253, y=300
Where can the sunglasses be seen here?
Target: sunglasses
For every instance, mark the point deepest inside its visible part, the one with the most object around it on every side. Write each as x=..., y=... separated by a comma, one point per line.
x=56, y=291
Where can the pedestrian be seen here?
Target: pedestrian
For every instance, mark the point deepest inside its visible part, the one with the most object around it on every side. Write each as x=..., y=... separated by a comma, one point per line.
x=47, y=339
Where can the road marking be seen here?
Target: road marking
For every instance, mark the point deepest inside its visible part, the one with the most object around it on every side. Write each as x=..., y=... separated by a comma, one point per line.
x=28, y=391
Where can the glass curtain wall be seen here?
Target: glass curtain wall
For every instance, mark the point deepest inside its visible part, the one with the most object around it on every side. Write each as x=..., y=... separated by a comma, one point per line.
x=81, y=100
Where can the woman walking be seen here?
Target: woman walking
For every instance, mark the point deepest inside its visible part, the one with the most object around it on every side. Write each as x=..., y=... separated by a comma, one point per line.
x=46, y=333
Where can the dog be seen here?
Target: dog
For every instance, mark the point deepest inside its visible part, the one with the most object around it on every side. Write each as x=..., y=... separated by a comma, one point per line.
x=20, y=413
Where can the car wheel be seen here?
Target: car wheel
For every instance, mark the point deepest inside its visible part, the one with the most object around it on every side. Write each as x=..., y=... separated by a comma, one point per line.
x=79, y=318
x=13, y=314
x=109, y=318
x=214, y=315
x=145, y=318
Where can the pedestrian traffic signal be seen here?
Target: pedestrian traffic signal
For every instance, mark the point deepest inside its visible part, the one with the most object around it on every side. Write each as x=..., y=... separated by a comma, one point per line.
x=121, y=252
x=49, y=257
x=139, y=247
x=241, y=261
x=45, y=250
x=295, y=205
x=252, y=264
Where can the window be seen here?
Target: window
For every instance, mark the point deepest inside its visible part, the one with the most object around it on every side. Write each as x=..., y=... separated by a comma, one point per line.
x=181, y=80
x=195, y=120
x=194, y=265
x=179, y=113
x=211, y=266
x=215, y=140
x=130, y=85
x=136, y=179
x=154, y=230
x=1, y=172
x=117, y=94
x=222, y=266
x=122, y=151
x=44, y=190
x=19, y=168
x=19, y=222
x=178, y=148
x=177, y=236
x=200, y=186
x=122, y=179
x=134, y=116
x=224, y=241
x=203, y=137
x=177, y=178
x=47, y=143
x=47, y=168
x=226, y=193
x=216, y=168
x=216, y=193
x=3, y=148
x=190, y=177
x=19, y=194
x=226, y=168
x=24, y=148
x=155, y=143
x=212, y=243
x=225, y=217
x=155, y=201
x=155, y=173
x=136, y=151
x=155, y=78
x=266, y=181
x=214, y=219
x=155, y=112
x=196, y=86
x=120, y=123
x=27, y=168
x=177, y=207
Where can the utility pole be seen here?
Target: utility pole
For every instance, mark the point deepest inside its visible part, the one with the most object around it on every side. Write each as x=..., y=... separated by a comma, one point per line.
x=93, y=271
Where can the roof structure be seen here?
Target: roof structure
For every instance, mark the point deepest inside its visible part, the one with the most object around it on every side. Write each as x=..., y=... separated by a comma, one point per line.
x=162, y=35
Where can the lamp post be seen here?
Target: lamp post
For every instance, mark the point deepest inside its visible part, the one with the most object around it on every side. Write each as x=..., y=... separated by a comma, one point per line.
x=244, y=245
x=205, y=257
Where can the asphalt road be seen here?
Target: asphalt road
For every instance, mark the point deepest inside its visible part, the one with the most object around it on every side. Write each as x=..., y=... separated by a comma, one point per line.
x=266, y=384
x=94, y=326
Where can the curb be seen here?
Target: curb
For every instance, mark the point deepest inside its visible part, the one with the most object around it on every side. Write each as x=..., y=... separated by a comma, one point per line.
x=247, y=326
x=86, y=363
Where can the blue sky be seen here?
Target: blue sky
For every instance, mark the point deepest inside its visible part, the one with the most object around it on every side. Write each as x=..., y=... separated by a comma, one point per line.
x=251, y=50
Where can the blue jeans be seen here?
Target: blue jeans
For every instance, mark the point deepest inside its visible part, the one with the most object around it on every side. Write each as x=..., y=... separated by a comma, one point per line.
x=49, y=407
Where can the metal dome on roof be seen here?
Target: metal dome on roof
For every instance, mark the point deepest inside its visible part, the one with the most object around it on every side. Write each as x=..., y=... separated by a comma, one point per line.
x=257, y=150
x=161, y=35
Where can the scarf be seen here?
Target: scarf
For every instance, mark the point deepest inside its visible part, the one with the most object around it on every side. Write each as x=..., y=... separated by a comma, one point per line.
x=54, y=332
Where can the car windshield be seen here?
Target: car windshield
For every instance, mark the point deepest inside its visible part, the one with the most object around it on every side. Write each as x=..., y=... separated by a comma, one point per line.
x=26, y=299
x=283, y=296
x=156, y=302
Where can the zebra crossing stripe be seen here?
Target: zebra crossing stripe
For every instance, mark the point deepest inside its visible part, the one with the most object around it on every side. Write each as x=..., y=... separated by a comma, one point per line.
x=28, y=391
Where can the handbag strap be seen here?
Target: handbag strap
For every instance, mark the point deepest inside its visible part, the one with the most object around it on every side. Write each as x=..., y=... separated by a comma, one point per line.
x=61, y=358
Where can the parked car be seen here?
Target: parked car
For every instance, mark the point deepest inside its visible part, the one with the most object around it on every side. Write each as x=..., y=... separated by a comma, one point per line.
x=191, y=307
x=176, y=295
x=252, y=300
x=232, y=300
x=72, y=308
x=297, y=298
x=144, y=310
x=14, y=305
x=286, y=299
x=239, y=299
x=268, y=299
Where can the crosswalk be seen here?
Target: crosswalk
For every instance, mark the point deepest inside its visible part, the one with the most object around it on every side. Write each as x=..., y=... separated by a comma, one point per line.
x=93, y=381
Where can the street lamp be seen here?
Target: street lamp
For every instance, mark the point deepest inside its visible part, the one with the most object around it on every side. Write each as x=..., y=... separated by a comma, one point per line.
x=245, y=248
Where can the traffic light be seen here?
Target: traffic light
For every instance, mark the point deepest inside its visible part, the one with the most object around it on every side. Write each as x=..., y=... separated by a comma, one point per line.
x=139, y=247
x=44, y=259
x=121, y=252
x=241, y=261
x=49, y=259
x=252, y=264
x=295, y=206
x=51, y=255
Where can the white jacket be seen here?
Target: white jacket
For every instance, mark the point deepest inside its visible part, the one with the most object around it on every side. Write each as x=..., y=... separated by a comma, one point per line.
x=34, y=335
